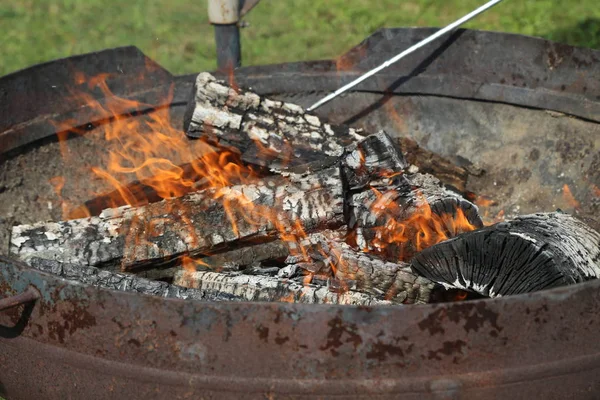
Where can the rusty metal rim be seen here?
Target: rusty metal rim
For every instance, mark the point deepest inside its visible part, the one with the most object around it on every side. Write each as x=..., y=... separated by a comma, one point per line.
x=483, y=379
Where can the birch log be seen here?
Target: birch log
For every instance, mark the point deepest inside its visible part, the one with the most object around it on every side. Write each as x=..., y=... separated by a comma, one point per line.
x=529, y=253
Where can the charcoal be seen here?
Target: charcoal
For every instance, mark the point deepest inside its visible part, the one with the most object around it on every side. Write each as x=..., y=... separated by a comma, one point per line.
x=134, y=238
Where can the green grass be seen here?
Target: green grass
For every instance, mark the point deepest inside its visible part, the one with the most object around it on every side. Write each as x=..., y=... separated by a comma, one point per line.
x=176, y=33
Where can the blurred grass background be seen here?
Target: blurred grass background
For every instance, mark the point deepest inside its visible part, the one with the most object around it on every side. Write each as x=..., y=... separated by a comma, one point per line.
x=176, y=33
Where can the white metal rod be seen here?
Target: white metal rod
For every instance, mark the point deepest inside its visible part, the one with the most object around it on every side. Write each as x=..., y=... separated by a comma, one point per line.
x=406, y=52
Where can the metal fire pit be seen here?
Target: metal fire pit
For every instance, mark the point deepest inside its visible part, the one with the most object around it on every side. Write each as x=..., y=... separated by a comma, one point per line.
x=520, y=114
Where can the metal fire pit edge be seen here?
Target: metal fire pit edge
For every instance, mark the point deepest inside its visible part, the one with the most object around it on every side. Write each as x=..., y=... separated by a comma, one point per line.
x=78, y=341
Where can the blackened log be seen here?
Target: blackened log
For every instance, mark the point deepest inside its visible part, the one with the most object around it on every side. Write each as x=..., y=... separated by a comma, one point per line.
x=251, y=253
x=195, y=224
x=527, y=254
x=428, y=162
x=373, y=162
x=263, y=288
x=397, y=221
x=268, y=133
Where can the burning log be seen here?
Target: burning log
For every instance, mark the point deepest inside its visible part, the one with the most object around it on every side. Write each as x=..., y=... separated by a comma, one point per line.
x=198, y=223
x=268, y=133
x=263, y=288
x=527, y=254
x=395, y=222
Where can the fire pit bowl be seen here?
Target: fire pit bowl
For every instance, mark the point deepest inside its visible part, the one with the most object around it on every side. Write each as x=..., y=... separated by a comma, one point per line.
x=520, y=116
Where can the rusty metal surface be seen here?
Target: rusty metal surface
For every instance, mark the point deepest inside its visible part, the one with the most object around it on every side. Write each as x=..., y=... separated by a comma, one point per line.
x=80, y=340
x=27, y=296
x=32, y=98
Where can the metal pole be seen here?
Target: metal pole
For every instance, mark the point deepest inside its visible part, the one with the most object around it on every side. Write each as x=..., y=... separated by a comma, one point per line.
x=406, y=52
x=229, y=51
x=225, y=15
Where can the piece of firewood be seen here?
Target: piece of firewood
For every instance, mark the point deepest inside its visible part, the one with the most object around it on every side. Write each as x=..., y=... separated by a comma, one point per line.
x=198, y=223
x=268, y=133
x=263, y=288
x=428, y=162
x=326, y=253
x=397, y=221
x=527, y=254
x=375, y=276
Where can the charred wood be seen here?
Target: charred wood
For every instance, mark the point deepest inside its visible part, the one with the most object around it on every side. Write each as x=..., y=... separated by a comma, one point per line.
x=448, y=173
x=263, y=288
x=268, y=133
x=400, y=220
x=527, y=254
x=195, y=224
x=374, y=276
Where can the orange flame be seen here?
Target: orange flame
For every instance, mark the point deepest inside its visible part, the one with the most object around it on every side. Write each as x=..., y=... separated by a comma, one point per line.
x=419, y=230
x=569, y=198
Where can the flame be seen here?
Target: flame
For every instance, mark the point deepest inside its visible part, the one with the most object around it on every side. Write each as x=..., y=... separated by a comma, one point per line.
x=147, y=149
x=596, y=190
x=569, y=198
x=421, y=229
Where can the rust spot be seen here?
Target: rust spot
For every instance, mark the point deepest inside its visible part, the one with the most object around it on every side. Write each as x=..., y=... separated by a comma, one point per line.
x=134, y=342
x=448, y=349
x=281, y=340
x=263, y=333
x=70, y=322
x=335, y=337
x=473, y=315
x=381, y=351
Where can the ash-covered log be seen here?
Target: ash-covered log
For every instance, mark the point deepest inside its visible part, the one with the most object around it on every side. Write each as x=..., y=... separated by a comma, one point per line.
x=527, y=254
x=198, y=223
x=396, y=221
x=264, y=288
x=206, y=286
x=268, y=133
x=374, y=276
x=325, y=254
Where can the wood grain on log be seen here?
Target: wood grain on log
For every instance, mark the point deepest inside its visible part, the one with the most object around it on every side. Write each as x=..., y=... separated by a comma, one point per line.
x=268, y=133
x=198, y=223
x=374, y=276
x=262, y=288
x=448, y=173
x=529, y=253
